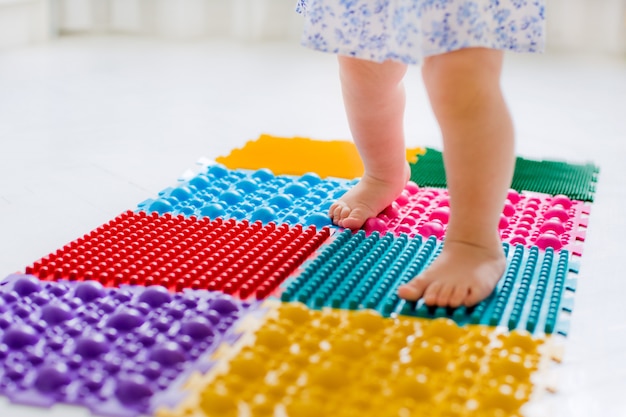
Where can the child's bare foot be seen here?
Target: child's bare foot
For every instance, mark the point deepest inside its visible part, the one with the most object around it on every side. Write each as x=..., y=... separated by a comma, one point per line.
x=463, y=274
x=367, y=199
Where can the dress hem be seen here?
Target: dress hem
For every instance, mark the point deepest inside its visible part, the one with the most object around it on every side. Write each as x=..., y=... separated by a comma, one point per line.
x=411, y=60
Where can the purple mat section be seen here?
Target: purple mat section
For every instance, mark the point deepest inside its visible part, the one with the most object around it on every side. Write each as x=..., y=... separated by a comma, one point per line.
x=117, y=351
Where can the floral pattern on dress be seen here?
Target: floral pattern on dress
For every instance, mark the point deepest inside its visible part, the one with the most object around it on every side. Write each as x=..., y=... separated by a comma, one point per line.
x=409, y=30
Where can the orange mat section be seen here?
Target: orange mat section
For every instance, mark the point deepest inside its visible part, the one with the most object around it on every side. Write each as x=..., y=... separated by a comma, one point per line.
x=297, y=156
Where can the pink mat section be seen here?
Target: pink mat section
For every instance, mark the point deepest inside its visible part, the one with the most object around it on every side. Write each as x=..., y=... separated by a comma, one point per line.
x=528, y=218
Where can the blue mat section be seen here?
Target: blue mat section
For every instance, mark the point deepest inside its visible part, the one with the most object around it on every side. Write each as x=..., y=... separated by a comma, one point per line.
x=252, y=195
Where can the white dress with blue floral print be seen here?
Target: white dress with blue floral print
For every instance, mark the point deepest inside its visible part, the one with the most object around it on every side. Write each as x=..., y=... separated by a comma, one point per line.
x=409, y=30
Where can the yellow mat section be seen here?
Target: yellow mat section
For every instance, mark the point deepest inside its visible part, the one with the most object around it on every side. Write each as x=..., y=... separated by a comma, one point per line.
x=340, y=363
x=297, y=156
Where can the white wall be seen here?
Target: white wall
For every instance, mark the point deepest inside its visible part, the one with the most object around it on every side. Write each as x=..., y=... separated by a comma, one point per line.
x=24, y=21
x=587, y=25
x=573, y=25
x=183, y=19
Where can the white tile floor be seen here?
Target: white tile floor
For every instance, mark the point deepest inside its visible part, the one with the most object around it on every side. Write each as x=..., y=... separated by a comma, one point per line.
x=89, y=127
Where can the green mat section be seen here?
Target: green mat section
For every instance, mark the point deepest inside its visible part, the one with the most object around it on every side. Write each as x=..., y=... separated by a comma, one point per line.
x=429, y=171
x=578, y=182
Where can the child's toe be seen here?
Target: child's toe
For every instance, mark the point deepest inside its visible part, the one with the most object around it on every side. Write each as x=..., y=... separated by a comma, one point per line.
x=345, y=212
x=410, y=291
x=431, y=294
x=355, y=219
x=458, y=295
x=413, y=290
x=333, y=213
x=474, y=297
x=336, y=212
x=443, y=297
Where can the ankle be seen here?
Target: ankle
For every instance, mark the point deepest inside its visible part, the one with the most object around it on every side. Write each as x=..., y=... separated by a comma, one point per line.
x=390, y=175
x=490, y=246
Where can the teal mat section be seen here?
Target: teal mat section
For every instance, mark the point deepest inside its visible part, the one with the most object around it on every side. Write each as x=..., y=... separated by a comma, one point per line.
x=356, y=271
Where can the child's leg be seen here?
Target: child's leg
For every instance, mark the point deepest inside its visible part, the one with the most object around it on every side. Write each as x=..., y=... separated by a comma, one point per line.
x=464, y=90
x=374, y=100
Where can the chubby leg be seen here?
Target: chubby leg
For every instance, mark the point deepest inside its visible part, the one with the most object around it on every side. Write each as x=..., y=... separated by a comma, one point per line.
x=464, y=90
x=374, y=99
